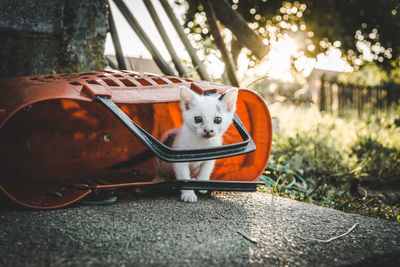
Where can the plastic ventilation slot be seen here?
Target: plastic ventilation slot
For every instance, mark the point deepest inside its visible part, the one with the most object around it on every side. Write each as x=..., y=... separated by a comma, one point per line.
x=128, y=83
x=159, y=81
x=143, y=82
x=93, y=82
x=174, y=80
x=110, y=82
x=75, y=83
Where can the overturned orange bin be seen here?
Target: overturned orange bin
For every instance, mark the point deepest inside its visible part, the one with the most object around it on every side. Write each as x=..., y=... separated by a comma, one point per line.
x=62, y=135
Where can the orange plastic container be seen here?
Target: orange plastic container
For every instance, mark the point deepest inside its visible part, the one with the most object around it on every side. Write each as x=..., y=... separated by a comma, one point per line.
x=57, y=144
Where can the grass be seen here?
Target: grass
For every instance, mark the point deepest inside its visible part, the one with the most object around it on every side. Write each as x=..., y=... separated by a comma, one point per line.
x=332, y=161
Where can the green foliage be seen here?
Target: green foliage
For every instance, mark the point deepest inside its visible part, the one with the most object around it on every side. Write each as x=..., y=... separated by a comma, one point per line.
x=394, y=75
x=326, y=160
x=312, y=154
x=380, y=164
x=368, y=75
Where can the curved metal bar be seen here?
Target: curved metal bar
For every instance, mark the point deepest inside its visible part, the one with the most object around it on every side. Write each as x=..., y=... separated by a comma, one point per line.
x=181, y=155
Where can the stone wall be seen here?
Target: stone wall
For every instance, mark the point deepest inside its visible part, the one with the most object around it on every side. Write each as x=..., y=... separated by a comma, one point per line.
x=51, y=36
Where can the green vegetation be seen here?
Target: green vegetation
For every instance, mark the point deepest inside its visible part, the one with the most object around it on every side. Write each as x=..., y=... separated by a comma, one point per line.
x=336, y=162
x=368, y=75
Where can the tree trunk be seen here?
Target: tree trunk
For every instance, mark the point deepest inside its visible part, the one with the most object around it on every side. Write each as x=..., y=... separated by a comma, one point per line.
x=48, y=36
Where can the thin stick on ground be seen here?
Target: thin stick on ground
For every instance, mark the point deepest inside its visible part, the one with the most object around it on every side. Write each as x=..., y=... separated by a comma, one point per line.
x=335, y=237
x=247, y=237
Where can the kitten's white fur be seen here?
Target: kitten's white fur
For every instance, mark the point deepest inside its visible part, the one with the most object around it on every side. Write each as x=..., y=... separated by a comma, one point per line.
x=203, y=134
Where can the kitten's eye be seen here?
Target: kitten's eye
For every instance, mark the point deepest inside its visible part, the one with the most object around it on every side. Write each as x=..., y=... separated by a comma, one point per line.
x=217, y=120
x=198, y=119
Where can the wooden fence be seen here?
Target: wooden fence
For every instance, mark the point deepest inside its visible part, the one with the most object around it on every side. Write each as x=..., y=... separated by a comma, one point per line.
x=339, y=98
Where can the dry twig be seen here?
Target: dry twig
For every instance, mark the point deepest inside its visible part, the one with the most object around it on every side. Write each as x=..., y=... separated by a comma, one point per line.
x=335, y=237
x=247, y=237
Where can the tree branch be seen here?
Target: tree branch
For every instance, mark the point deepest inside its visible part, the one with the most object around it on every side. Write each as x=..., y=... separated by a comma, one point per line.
x=212, y=22
x=236, y=47
x=236, y=23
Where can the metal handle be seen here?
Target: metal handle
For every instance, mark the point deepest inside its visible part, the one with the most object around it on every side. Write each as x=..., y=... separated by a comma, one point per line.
x=181, y=155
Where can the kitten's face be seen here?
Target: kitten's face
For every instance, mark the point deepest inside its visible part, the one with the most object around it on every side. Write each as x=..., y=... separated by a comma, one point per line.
x=208, y=116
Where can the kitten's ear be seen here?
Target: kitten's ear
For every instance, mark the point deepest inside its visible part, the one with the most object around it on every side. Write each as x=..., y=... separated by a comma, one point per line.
x=229, y=99
x=187, y=97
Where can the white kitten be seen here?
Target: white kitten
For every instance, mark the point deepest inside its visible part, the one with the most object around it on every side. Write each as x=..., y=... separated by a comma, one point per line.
x=206, y=118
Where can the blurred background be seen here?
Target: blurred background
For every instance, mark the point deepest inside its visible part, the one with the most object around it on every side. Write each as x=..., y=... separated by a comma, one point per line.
x=328, y=70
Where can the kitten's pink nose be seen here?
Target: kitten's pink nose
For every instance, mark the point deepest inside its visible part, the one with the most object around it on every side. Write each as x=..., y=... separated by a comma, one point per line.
x=209, y=132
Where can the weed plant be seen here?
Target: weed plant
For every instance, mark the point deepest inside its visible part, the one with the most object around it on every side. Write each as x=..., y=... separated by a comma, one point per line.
x=339, y=162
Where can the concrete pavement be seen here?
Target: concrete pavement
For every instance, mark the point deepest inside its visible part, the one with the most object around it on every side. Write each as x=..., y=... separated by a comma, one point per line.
x=231, y=229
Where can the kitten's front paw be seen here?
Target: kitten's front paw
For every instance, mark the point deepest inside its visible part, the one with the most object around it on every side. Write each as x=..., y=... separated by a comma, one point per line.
x=203, y=192
x=188, y=196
